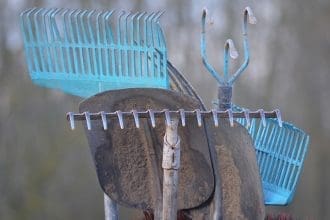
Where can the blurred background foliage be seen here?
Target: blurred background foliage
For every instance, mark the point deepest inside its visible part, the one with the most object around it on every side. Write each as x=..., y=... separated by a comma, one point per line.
x=46, y=170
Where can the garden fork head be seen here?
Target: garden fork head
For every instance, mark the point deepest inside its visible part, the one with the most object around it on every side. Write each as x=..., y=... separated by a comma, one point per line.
x=226, y=82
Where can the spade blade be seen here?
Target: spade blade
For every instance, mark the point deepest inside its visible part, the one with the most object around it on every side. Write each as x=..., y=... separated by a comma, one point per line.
x=128, y=161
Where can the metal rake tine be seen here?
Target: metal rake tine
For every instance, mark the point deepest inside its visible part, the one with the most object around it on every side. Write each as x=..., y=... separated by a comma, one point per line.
x=247, y=117
x=104, y=120
x=279, y=117
x=167, y=117
x=247, y=16
x=215, y=118
x=199, y=117
x=262, y=116
x=136, y=118
x=203, y=52
x=183, y=117
x=229, y=50
x=71, y=118
x=152, y=118
x=120, y=119
x=231, y=117
x=88, y=120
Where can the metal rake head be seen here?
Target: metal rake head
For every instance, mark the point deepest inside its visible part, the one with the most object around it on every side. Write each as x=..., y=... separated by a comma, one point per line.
x=84, y=52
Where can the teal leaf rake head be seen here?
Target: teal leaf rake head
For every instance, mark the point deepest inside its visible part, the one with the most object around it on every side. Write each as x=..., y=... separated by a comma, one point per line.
x=84, y=52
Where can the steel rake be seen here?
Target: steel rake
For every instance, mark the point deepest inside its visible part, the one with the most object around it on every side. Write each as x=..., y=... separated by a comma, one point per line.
x=84, y=52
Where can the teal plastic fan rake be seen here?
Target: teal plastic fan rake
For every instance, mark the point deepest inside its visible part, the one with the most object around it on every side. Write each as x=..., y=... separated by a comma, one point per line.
x=84, y=52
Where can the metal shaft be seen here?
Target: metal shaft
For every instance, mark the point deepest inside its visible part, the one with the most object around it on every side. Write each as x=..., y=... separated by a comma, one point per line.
x=171, y=165
x=110, y=208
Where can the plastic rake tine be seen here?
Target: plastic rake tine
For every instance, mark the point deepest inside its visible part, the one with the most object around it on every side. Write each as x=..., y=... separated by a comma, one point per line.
x=248, y=16
x=88, y=120
x=104, y=120
x=120, y=119
x=183, y=117
x=136, y=118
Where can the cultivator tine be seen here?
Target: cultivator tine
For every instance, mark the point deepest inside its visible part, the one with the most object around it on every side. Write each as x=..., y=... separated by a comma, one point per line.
x=248, y=16
x=231, y=51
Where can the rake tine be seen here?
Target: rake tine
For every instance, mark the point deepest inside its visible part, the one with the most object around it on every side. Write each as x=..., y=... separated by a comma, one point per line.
x=167, y=117
x=104, y=120
x=199, y=117
x=71, y=118
x=120, y=119
x=74, y=39
x=82, y=27
x=88, y=120
x=248, y=16
x=126, y=43
x=132, y=43
x=133, y=29
x=215, y=118
x=203, y=52
x=52, y=38
x=152, y=118
x=279, y=117
x=136, y=118
x=183, y=117
x=32, y=38
x=247, y=117
x=262, y=116
x=139, y=41
x=54, y=26
x=229, y=50
x=99, y=50
x=231, y=117
x=152, y=43
x=108, y=26
x=120, y=72
x=90, y=30
x=38, y=37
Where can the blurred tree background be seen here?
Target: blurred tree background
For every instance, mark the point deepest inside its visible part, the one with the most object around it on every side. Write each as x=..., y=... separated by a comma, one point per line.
x=46, y=171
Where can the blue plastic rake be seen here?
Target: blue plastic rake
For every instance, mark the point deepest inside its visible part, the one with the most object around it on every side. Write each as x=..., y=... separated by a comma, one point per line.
x=280, y=146
x=84, y=52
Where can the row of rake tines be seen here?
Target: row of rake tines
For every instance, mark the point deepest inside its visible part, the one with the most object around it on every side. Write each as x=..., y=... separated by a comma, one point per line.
x=69, y=36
